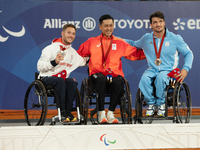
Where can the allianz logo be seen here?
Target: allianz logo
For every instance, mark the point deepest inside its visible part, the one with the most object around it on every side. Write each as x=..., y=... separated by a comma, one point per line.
x=88, y=23
x=190, y=24
x=59, y=23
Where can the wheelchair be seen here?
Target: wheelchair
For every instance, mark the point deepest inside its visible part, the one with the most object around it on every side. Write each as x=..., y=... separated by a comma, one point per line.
x=36, y=104
x=177, y=97
x=90, y=97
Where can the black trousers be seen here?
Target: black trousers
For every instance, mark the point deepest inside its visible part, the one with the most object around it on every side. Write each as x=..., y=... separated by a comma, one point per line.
x=115, y=89
x=66, y=90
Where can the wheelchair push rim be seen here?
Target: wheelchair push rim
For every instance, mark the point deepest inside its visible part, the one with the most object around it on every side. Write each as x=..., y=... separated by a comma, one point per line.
x=126, y=104
x=84, y=98
x=140, y=110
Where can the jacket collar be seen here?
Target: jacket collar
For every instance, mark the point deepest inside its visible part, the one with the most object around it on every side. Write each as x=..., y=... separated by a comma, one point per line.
x=166, y=30
x=105, y=37
x=59, y=41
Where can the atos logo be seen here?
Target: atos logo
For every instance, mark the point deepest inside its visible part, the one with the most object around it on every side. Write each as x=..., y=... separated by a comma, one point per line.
x=106, y=142
x=89, y=24
x=190, y=24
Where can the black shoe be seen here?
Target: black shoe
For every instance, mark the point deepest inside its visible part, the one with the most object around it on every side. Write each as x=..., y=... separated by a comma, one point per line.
x=70, y=118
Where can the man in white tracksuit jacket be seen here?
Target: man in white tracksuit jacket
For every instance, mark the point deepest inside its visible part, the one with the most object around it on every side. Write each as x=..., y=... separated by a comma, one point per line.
x=170, y=46
x=56, y=63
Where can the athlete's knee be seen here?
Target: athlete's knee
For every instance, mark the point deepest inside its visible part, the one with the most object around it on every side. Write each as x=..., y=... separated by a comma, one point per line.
x=99, y=79
x=144, y=81
x=60, y=81
x=71, y=83
x=162, y=79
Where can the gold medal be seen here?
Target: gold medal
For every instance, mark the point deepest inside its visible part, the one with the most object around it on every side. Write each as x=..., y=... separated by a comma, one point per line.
x=157, y=61
x=104, y=64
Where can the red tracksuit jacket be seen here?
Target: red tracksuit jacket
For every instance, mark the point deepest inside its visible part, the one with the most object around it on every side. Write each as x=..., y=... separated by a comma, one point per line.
x=119, y=48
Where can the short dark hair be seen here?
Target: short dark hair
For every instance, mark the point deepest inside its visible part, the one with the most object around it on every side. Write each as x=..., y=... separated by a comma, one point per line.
x=157, y=14
x=68, y=25
x=105, y=17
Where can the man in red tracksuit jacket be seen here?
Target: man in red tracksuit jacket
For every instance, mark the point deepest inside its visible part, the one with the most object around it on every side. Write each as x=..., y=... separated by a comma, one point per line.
x=105, y=53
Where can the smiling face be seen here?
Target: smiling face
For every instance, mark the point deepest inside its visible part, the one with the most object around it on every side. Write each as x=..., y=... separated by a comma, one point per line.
x=107, y=27
x=68, y=35
x=157, y=25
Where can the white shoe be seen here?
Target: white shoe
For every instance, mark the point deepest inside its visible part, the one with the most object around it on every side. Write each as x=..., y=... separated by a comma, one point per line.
x=161, y=110
x=111, y=118
x=151, y=110
x=102, y=117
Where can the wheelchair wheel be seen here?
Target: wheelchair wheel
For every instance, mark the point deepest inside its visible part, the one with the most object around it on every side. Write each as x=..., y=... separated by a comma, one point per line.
x=126, y=104
x=85, y=100
x=182, y=103
x=35, y=104
x=140, y=110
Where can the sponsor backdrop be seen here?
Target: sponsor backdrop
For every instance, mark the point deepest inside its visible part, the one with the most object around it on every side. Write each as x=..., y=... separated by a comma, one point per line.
x=27, y=27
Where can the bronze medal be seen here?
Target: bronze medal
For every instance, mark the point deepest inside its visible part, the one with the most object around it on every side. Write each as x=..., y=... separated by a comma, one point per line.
x=158, y=61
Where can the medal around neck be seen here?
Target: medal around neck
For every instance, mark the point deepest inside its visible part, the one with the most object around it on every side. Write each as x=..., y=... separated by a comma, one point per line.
x=158, y=61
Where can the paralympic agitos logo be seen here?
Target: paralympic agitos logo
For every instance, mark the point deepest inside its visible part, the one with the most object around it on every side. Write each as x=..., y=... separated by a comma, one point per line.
x=106, y=141
x=15, y=34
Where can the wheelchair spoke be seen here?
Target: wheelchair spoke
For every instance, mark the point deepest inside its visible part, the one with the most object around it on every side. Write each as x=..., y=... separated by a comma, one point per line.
x=34, y=105
x=183, y=103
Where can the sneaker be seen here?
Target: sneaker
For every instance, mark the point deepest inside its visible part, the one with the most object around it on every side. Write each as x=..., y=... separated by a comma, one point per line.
x=161, y=110
x=150, y=111
x=111, y=118
x=102, y=117
x=70, y=118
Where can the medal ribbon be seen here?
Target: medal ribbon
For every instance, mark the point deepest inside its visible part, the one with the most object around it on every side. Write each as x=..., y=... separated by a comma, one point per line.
x=109, y=48
x=62, y=48
x=158, y=53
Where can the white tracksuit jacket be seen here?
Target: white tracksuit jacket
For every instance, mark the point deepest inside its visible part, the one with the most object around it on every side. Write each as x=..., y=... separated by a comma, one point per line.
x=71, y=61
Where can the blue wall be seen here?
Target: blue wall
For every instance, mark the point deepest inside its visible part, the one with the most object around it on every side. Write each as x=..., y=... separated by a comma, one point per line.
x=27, y=27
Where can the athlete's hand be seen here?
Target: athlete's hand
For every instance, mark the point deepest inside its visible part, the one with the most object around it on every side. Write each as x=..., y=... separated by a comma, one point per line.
x=59, y=58
x=182, y=75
